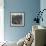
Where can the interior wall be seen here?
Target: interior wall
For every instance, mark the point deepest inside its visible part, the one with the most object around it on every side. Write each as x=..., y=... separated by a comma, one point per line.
x=43, y=6
x=29, y=7
x=1, y=21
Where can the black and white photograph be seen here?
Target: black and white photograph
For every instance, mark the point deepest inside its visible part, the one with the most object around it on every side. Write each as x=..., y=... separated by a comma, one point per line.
x=17, y=19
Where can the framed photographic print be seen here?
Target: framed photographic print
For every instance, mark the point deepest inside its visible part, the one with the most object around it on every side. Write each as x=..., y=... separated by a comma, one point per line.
x=17, y=19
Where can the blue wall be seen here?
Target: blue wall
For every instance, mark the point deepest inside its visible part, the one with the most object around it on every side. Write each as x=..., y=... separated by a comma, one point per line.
x=43, y=6
x=29, y=7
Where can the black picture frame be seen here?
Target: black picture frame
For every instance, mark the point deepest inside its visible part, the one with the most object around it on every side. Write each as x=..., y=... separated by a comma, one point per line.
x=17, y=19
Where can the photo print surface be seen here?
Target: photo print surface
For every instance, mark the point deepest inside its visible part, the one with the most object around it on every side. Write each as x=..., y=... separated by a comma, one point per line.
x=17, y=19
